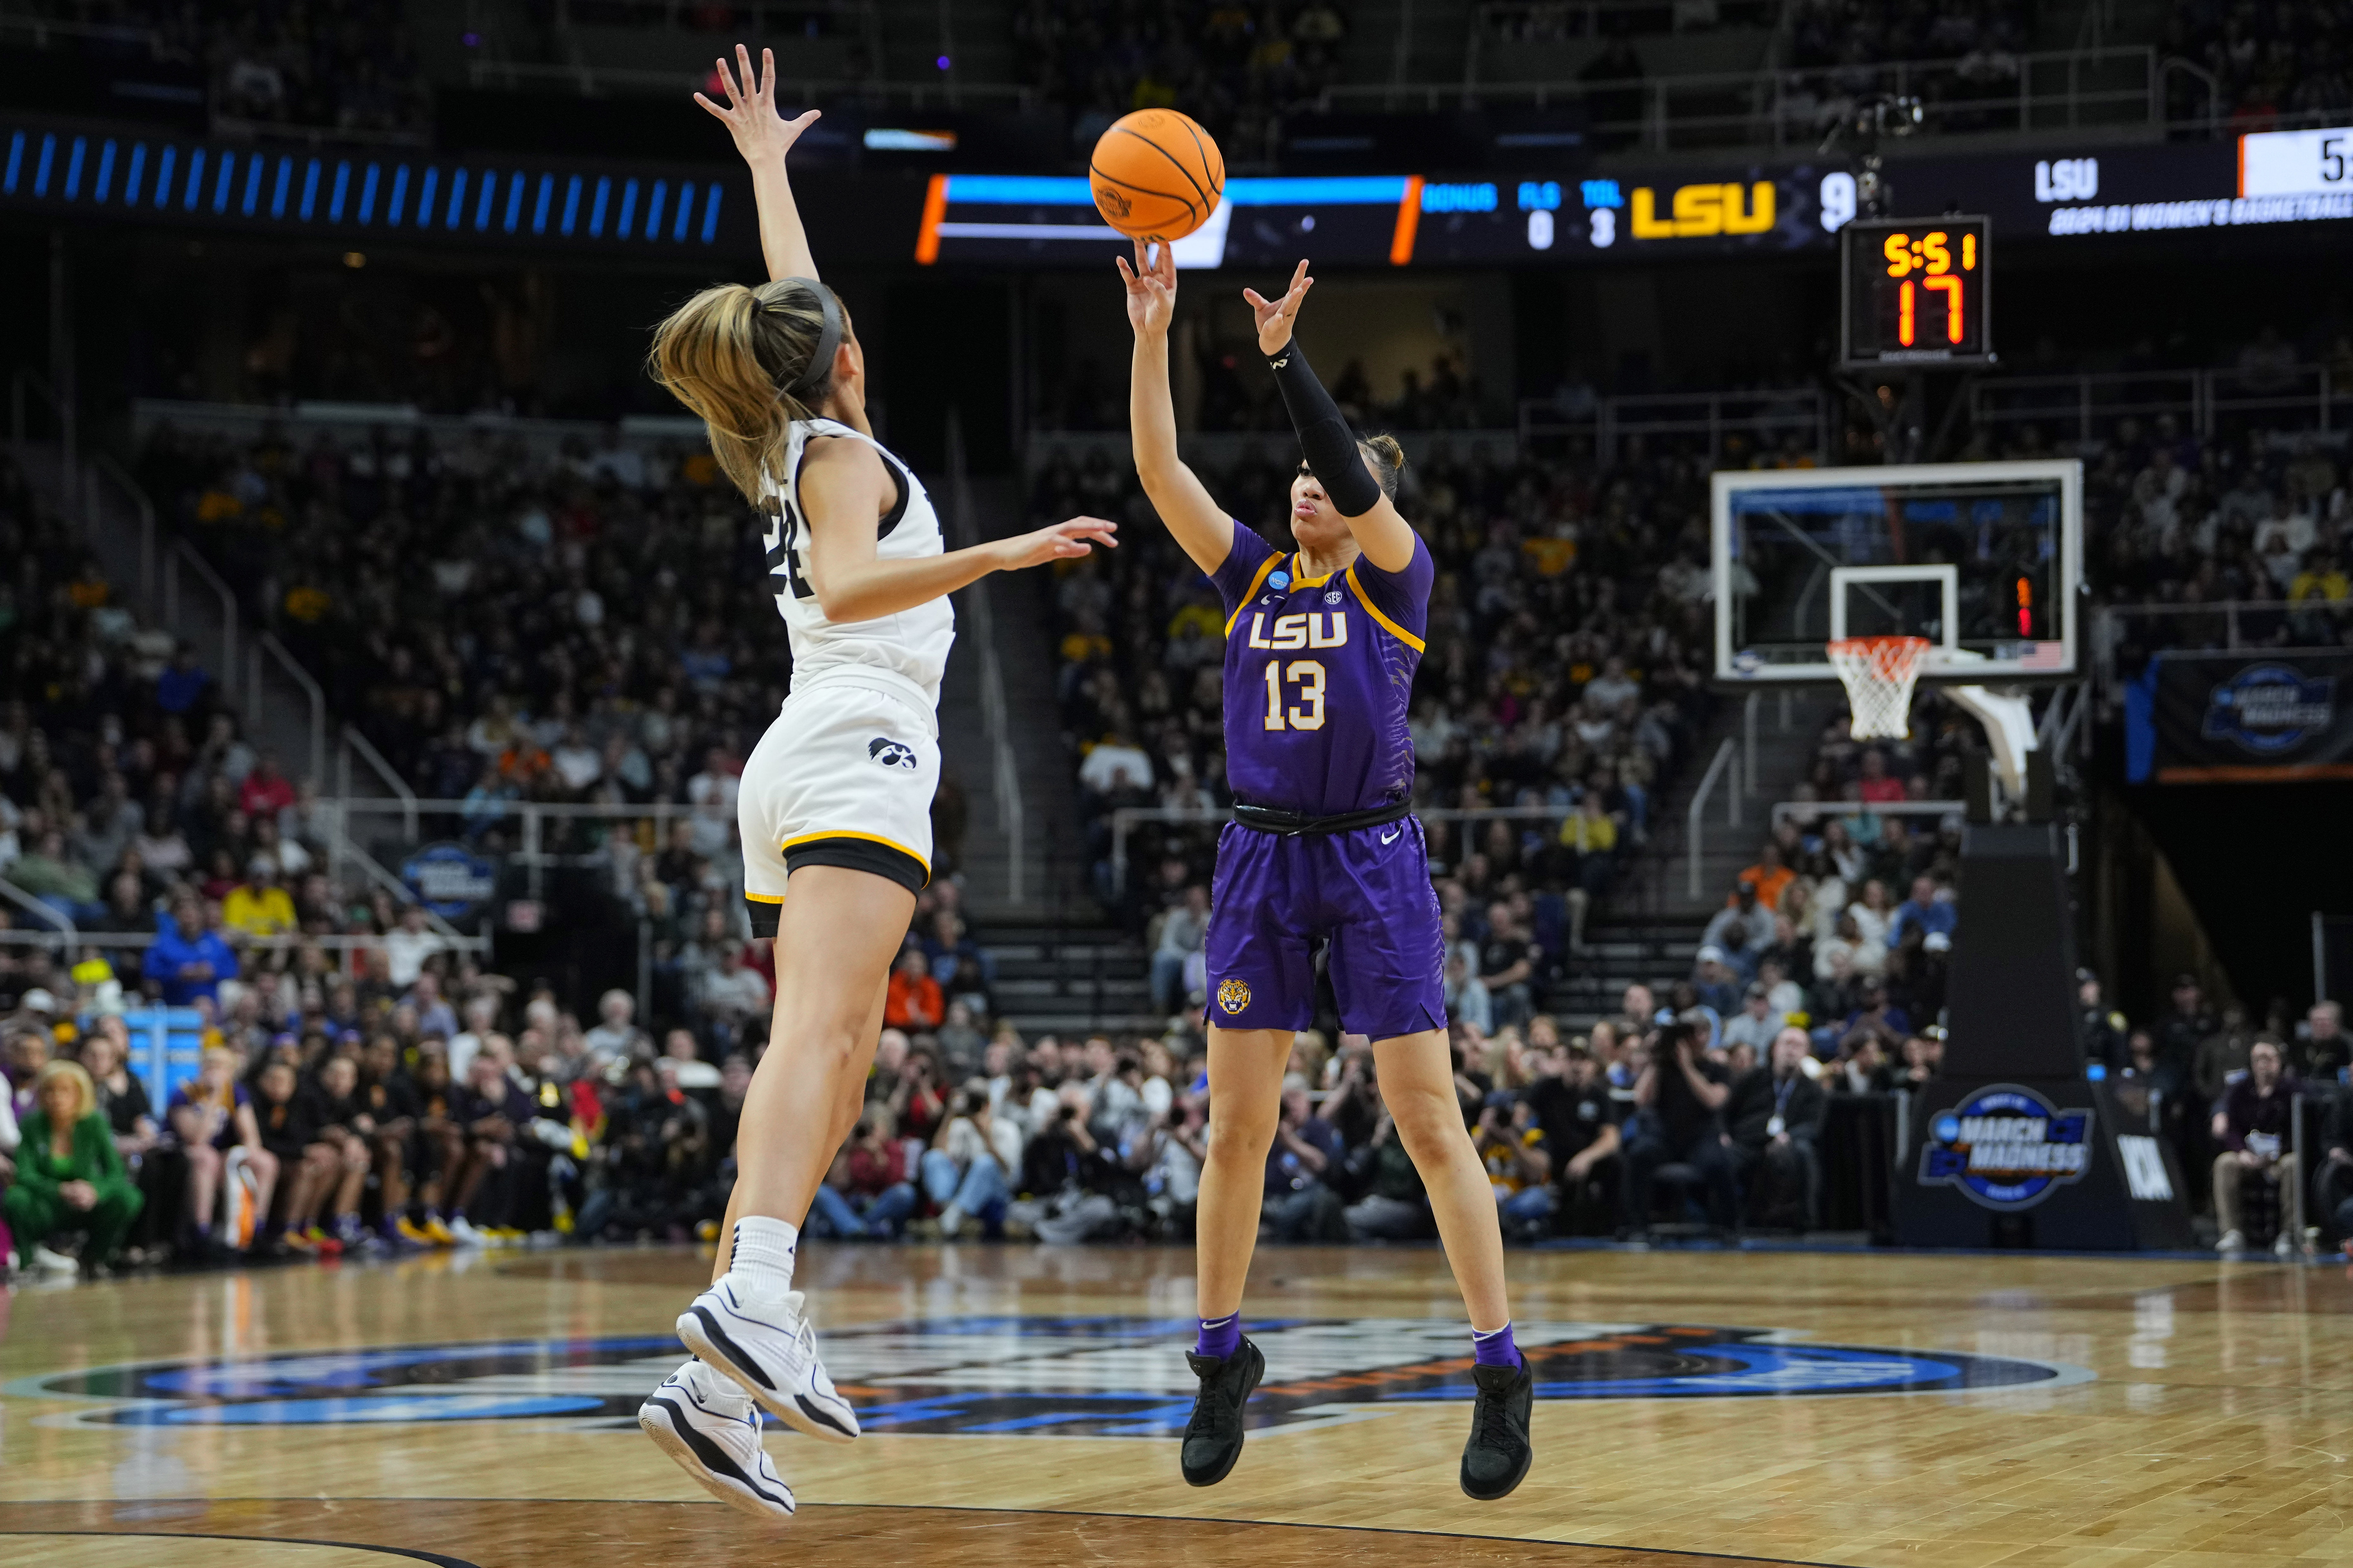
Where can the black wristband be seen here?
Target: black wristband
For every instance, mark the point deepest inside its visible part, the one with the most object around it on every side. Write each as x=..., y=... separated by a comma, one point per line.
x=1324, y=438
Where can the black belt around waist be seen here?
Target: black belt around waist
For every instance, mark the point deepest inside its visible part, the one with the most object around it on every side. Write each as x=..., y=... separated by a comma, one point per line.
x=1266, y=819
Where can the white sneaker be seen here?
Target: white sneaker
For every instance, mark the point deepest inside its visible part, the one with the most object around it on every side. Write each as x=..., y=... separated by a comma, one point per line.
x=466, y=1234
x=48, y=1262
x=716, y=1440
x=771, y=1351
x=2282, y=1247
x=951, y=1222
x=2232, y=1241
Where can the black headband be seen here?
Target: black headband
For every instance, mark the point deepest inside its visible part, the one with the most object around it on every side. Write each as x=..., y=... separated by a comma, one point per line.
x=829, y=337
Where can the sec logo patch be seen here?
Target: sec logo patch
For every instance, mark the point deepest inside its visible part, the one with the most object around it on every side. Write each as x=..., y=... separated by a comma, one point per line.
x=1233, y=995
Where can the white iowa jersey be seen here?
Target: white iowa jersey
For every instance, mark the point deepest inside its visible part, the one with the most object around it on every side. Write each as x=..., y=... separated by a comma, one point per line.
x=914, y=642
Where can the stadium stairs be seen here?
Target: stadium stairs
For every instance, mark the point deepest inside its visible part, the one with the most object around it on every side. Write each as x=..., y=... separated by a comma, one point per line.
x=275, y=709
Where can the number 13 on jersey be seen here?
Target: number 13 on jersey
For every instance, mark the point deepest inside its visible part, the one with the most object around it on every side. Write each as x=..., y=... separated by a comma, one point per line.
x=1308, y=676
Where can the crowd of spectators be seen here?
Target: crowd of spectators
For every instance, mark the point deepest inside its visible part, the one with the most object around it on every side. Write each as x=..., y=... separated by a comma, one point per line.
x=1236, y=67
x=338, y=65
x=1858, y=34
x=2272, y=65
x=2259, y=517
x=1104, y=1139
x=1233, y=397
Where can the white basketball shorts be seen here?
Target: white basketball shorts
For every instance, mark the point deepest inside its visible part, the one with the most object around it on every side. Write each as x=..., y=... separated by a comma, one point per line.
x=844, y=776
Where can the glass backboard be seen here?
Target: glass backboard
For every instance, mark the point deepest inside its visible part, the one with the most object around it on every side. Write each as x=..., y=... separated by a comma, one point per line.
x=1982, y=559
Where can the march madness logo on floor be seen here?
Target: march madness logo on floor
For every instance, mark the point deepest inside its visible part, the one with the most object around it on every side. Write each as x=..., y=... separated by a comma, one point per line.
x=1007, y=1377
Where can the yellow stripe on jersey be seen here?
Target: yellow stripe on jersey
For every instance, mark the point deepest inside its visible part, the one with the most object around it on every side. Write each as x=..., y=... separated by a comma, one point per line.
x=1373, y=610
x=1265, y=567
x=869, y=838
x=1299, y=582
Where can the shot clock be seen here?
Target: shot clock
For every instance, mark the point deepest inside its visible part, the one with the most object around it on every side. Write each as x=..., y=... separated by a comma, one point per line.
x=1917, y=292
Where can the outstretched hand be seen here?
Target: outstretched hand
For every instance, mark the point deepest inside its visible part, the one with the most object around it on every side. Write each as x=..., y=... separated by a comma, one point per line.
x=1058, y=541
x=1275, y=316
x=1151, y=289
x=750, y=114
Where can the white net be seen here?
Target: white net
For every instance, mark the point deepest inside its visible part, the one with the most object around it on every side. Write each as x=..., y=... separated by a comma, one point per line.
x=1879, y=673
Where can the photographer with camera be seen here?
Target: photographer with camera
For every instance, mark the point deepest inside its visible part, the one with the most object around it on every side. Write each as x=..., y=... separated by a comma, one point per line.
x=1685, y=1094
x=965, y=1170
x=1571, y=1102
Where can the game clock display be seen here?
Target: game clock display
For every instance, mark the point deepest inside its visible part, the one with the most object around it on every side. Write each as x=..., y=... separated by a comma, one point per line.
x=1917, y=292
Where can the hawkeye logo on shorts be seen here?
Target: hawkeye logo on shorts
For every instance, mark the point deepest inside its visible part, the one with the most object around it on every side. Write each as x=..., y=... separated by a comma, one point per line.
x=2007, y=1148
x=890, y=753
x=1233, y=995
x=1003, y=1377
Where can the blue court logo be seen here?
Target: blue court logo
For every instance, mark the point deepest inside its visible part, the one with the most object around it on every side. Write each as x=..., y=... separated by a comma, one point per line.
x=2007, y=1148
x=2270, y=708
x=999, y=1377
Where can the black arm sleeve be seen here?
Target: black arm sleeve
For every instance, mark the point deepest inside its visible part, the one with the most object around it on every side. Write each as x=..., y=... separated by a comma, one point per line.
x=1324, y=438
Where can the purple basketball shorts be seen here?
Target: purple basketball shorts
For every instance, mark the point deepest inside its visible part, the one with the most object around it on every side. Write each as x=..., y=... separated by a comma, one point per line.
x=1367, y=889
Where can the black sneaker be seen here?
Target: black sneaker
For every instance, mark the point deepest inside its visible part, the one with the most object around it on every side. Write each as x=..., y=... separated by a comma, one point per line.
x=1213, y=1438
x=1496, y=1457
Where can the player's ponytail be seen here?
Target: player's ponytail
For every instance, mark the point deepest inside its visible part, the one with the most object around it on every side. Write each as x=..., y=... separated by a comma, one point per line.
x=749, y=362
x=1388, y=461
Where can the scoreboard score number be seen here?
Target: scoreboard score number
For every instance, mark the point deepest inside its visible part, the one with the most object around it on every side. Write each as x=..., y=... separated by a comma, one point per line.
x=1917, y=292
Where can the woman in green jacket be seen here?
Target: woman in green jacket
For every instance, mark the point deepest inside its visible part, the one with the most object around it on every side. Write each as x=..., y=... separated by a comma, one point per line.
x=69, y=1176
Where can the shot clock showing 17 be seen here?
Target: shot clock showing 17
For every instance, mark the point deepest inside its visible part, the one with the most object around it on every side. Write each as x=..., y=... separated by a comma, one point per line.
x=1918, y=291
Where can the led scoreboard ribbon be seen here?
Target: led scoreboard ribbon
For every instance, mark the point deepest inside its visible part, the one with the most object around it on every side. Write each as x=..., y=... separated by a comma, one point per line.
x=1917, y=292
x=1020, y=217
x=370, y=192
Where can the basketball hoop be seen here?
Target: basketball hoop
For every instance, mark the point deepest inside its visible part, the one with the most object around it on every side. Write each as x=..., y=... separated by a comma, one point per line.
x=1879, y=673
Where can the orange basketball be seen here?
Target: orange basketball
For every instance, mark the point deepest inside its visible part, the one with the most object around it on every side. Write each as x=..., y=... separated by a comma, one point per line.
x=1157, y=174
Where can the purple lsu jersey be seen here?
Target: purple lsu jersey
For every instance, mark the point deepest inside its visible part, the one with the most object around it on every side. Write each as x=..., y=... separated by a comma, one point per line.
x=1318, y=676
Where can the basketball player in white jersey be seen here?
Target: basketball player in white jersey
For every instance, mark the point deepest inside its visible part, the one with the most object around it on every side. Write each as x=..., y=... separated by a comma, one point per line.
x=835, y=806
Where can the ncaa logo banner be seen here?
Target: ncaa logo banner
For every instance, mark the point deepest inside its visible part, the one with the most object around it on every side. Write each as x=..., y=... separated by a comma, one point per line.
x=2007, y=1148
x=2229, y=717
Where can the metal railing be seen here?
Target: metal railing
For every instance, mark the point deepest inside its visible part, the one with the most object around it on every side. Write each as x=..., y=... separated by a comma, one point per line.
x=116, y=475
x=268, y=643
x=1126, y=819
x=48, y=912
x=2216, y=625
x=246, y=420
x=1766, y=416
x=353, y=741
x=1219, y=449
x=2093, y=402
x=1727, y=755
x=40, y=30
x=1809, y=810
x=363, y=942
x=1005, y=771
x=2048, y=91
x=599, y=81
x=24, y=387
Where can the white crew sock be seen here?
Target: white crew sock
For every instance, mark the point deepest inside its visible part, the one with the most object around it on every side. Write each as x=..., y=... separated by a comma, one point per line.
x=762, y=1261
x=714, y=1388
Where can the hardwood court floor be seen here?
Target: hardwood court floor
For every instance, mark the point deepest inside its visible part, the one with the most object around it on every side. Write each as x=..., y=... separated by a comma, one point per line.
x=1853, y=1409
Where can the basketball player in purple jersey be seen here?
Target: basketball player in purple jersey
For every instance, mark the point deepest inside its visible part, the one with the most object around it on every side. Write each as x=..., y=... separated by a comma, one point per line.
x=1321, y=646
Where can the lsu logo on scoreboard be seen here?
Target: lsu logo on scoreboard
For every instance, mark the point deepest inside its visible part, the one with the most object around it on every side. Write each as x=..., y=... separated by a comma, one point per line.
x=1701, y=210
x=2007, y=1148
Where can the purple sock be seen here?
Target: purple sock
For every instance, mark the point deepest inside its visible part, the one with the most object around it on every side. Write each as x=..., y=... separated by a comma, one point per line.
x=1220, y=1336
x=1495, y=1349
